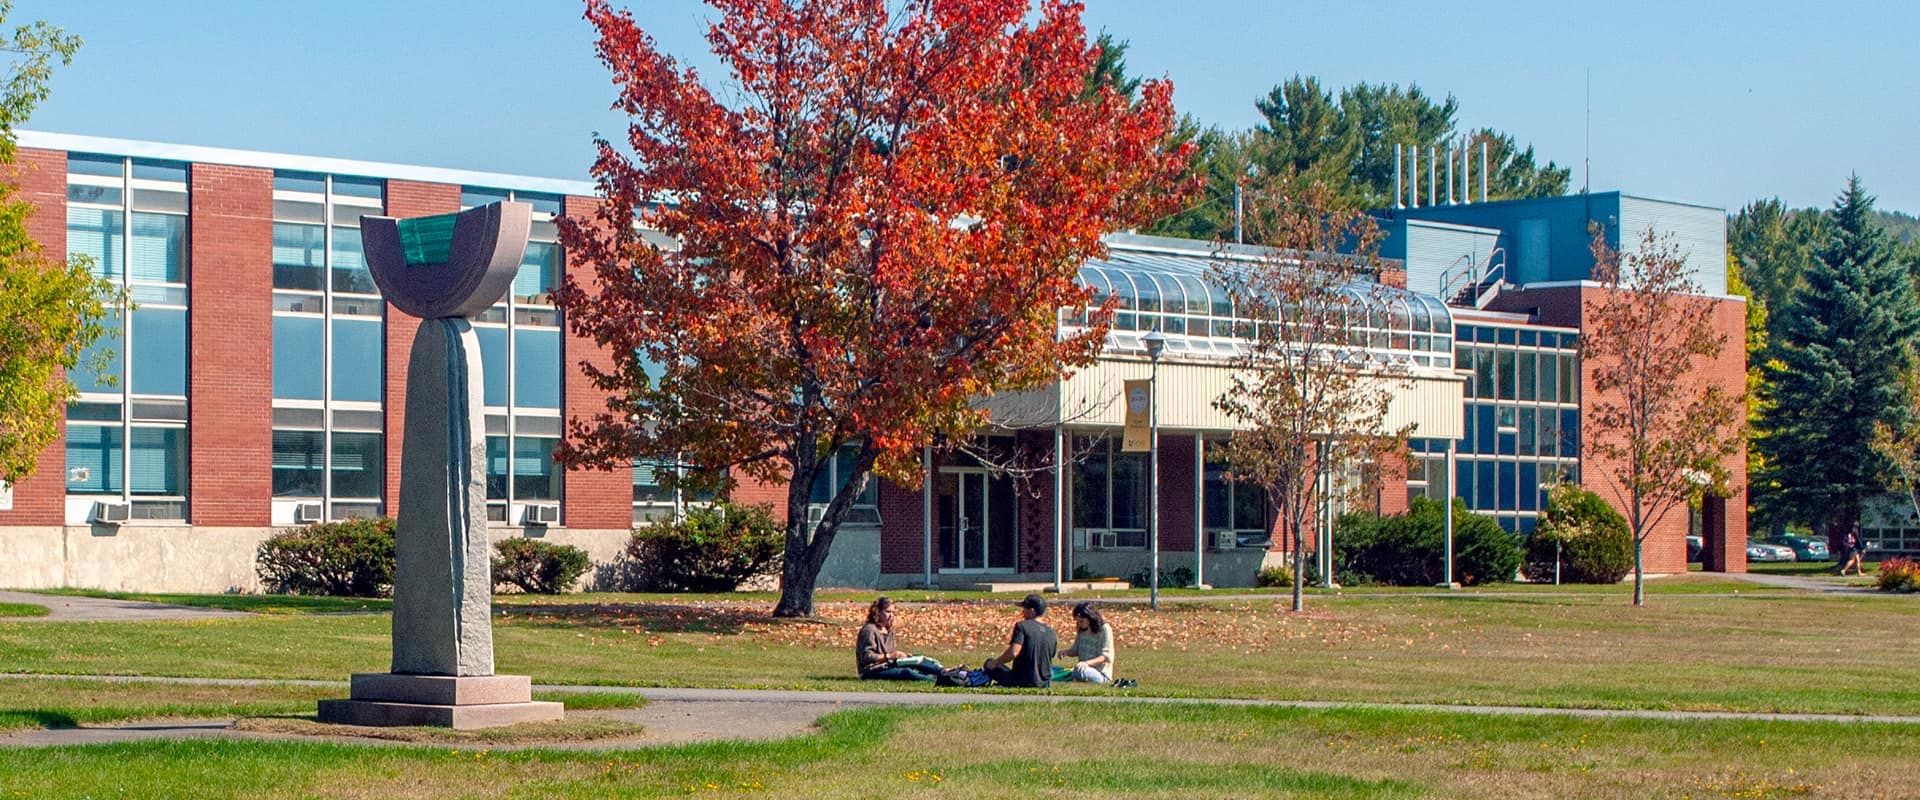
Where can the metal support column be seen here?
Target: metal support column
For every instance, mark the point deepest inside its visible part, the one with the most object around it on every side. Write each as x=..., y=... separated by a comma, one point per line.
x=926, y=514
x=1059, y=506
x=1199, y=512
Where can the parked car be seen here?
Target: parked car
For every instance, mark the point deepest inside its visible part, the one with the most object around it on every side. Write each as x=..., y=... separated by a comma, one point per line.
x=1757, y=551
x=1804, y=549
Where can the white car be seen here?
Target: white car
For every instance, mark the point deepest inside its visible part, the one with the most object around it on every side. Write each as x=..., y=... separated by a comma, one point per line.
x=1769, y=552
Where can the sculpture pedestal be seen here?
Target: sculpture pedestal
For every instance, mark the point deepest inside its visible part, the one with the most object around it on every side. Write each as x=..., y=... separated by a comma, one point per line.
x=385, y=699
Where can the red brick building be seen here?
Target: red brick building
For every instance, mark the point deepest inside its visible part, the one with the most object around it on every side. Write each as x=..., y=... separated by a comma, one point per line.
x=258, y=385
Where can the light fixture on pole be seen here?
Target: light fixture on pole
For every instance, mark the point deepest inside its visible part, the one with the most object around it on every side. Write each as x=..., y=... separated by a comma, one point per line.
x=1156, y=343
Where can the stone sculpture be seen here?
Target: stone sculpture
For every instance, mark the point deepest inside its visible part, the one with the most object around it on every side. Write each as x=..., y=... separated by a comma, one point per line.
x=444, y=269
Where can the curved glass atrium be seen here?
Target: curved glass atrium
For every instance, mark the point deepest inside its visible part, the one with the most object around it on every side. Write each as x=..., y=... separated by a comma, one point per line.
x=1174, y=293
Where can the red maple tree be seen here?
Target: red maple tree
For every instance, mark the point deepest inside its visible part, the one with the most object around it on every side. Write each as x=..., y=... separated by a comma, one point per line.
x=870, y=224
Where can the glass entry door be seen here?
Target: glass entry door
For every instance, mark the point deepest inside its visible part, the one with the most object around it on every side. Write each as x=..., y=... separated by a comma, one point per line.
x=975, y=513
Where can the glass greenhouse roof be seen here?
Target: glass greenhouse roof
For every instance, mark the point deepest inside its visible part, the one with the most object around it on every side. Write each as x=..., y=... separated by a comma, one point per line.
x=1173, y=293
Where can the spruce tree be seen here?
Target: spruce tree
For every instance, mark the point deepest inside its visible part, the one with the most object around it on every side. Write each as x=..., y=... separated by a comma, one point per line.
x=1834, y=371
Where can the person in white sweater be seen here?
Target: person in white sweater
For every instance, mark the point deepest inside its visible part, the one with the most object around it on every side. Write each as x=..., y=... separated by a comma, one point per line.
x=1092, y=646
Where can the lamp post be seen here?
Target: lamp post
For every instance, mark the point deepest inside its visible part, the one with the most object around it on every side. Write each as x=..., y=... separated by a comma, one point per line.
x=1156, y=343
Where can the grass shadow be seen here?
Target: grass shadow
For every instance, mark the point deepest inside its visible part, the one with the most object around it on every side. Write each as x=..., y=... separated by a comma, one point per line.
x=36, y=718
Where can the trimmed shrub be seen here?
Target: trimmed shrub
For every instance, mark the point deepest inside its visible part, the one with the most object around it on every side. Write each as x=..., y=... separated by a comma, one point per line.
x=353, y=558
x=1410, y=549
x=1899, y=575
x=1271, y=577
x=1595, y=544
x=1181, y=577
x=710, y=549
x=537, y=567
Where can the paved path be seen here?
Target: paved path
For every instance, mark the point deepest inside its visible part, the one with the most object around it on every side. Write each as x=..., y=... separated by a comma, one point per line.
x=678, y=716
x=1808, y=583
x=65, y=608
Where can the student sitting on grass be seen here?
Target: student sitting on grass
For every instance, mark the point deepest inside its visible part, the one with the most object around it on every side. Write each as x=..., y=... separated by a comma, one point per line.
x=1027, y=663
x=879, y=657
x=1092, y=645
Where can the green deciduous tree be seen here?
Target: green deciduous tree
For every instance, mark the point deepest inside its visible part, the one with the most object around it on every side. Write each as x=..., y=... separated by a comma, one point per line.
x=1834, y=373
x=52, y=310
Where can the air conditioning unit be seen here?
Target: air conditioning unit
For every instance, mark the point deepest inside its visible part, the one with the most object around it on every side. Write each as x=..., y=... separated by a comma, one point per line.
x=815, y=513
x=1222, y=539
x=309, y=513
x=543, y=514
x=1081, y=538
x=1106, y=540
x=110, y=513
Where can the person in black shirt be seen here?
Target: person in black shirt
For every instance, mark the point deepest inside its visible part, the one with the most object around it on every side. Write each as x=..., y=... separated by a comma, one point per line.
x=1027, y=662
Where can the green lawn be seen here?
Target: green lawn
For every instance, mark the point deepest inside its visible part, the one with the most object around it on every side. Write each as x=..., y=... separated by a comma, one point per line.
x=22, y=610
x=67, y=703
x=1073, y=750
x=1761, y=650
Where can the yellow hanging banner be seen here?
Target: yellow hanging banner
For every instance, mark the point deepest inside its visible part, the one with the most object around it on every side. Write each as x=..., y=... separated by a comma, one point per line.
x=1138, y=437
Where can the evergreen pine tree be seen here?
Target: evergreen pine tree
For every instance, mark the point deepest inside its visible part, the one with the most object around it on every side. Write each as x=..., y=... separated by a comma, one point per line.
x=1834, y=371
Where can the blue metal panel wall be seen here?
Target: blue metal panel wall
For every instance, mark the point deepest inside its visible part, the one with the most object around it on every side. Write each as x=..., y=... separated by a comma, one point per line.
x=1567, y=257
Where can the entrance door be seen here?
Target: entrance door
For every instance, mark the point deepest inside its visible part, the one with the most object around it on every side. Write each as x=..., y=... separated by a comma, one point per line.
x=975, y=512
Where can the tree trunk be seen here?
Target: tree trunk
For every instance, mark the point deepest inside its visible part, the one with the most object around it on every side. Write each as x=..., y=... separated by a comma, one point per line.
x=1639, y=575
x=797, y=577
x=1299, y=570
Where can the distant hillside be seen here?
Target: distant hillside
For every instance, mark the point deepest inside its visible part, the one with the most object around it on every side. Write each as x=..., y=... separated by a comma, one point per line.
x=1900, y=225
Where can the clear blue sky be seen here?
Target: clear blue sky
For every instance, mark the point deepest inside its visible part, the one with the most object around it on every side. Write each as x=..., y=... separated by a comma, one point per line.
x=1715, y=103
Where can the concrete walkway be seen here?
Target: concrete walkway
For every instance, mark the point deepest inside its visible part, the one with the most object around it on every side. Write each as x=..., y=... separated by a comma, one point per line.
x=1806, y=583
x=679, y=716
x=66, y=608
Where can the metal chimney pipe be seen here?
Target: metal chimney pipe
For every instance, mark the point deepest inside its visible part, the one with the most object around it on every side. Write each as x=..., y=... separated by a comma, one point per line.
x=1483, y=170
x=1433, y=177
x=1399, y=198
x=1450, y=154
x=1413, y=186
x=1466, y=171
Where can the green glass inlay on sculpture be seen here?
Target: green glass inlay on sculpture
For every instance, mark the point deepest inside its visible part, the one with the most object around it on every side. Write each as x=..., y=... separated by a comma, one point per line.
x=427, y=240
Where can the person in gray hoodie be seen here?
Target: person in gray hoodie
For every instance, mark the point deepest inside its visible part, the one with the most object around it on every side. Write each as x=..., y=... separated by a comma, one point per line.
x=878, y=655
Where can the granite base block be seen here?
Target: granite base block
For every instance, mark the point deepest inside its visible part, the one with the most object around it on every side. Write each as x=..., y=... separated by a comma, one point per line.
x=385, y=699
x=389, y=715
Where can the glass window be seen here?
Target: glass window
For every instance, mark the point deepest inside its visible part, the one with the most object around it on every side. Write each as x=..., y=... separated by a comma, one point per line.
x=359, y=187
x=1463, y=478
x=1090, y=486
x=358, y=355
x=496, y=468
x=173, y=171
x=297, y=357
x=1529, y=488
x=96, y=233
x=359, y=465
x=157, y=461
x=1249, y=507
x=843, y=473
x=1486, y=485
x=110, y=344
x=534, y=477
x=299, y=182
x=1528, y=430
x=1508, y=498
x=646, y=482
x=1129, y=490
x=471, y=196
x=159, y=351
x=93, y=459
x=1218, y=497
x=350, y=263
x=1549, y=378
x=1569, y=380
x=493, y=364
x=1503, y=373
x=539, y=272
x=296, y=463
x=1569, y=433
x=536, y=367
x=158, y=251
x=299, y=255
x=1526, y=376
x=1484, y=426
x=88, y=164
x=1483, y=373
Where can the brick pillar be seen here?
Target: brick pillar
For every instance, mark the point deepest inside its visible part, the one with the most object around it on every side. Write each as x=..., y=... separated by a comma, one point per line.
x=405, y=199
x=902, y=537
x=1176, y=492
x=594, y=498
x=1034, y=501
x=40, y=178
x=230, y=341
